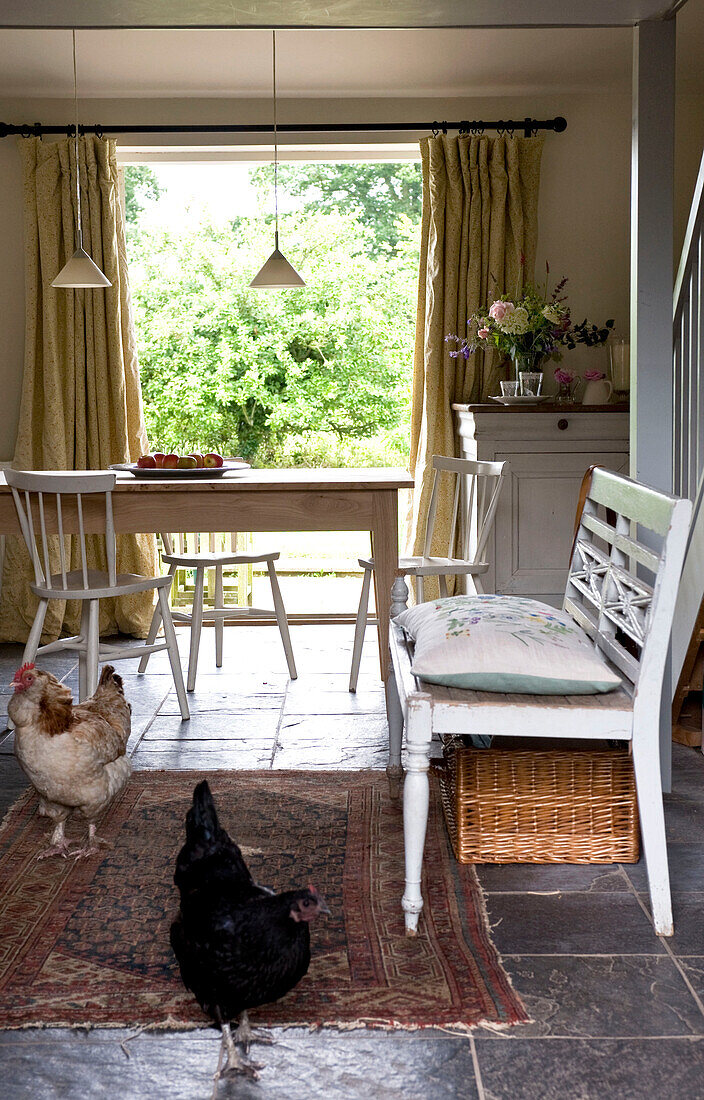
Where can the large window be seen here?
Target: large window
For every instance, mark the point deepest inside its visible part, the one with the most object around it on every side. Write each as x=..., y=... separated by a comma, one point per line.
x=315, y=377
x=318, y=376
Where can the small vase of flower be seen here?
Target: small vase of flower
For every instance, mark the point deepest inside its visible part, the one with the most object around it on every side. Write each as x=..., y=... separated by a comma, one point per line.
x=564, y=379
x=598, y=388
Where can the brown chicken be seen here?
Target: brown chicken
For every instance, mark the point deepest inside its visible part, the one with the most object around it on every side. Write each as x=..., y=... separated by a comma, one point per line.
x=74, y=756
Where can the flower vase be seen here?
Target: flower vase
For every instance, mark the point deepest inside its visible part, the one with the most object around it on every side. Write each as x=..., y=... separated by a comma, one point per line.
x=522, y=363
x=564, y=393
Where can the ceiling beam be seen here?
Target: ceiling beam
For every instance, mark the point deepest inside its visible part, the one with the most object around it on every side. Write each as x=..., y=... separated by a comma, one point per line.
x=333, y=13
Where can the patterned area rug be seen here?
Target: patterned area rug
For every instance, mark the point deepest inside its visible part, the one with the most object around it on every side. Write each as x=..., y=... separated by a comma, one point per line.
x=88, y=943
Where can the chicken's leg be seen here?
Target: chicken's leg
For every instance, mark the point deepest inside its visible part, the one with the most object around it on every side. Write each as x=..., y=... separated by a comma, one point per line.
x=246, y=1035
x=58, y=845
x=93, y=844
x=235, y=1063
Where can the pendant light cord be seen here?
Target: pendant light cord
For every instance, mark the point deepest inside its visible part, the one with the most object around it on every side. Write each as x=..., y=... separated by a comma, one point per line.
x=79, y=227
x=276, y=143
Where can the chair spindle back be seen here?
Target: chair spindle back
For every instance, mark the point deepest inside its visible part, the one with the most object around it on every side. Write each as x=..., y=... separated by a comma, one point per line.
x=51, y=506
x=482, y=481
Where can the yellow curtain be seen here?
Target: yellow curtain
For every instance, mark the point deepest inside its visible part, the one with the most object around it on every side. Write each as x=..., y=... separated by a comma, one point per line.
x=81, y=405
x=480, y=198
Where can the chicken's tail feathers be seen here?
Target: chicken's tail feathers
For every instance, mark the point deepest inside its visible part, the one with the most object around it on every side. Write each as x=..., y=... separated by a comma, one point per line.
x=202, y=819
x=108, y=675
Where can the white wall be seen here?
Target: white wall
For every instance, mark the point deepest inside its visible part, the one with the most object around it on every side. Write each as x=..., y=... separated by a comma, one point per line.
x=584, y=201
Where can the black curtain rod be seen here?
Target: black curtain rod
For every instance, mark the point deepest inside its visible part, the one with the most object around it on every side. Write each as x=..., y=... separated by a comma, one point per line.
x=529, y=127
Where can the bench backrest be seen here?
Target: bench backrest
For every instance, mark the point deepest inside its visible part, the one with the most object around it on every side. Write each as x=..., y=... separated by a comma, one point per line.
x=625, y=571
x=689, y=609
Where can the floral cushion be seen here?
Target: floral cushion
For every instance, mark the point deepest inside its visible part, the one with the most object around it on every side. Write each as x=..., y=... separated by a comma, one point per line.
x=504, y=643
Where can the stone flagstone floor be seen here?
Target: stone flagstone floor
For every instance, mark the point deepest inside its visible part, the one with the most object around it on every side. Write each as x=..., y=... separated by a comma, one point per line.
x=617, y=1011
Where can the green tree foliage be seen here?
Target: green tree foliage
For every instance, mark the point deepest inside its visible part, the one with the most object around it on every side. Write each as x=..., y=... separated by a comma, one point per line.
x=140, y=184
x=377, y=195
x=319, y=375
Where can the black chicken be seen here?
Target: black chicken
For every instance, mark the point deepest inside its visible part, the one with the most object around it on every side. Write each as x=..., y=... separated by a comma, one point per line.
x=238, y=944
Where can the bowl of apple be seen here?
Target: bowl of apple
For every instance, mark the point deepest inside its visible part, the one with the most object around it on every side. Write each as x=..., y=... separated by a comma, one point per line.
x=160, y=465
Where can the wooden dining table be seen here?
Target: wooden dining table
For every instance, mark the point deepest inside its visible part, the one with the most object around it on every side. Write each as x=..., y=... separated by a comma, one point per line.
x=260, y=500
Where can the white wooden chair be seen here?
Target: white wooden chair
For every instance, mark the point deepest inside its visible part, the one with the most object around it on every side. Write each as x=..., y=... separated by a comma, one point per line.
x=478, y=485
x=191, y=554
x=609, y=596
x=49, y=500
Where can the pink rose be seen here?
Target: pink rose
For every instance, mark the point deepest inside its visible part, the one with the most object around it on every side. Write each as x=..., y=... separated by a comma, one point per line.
x=499, y=310
x=594, y=375
x=483, y=333
x=563, y=376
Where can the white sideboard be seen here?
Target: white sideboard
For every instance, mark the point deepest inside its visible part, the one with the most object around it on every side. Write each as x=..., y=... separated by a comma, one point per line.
x=548, y=448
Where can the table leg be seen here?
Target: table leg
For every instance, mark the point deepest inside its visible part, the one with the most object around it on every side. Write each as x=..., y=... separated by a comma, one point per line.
x=384, y=535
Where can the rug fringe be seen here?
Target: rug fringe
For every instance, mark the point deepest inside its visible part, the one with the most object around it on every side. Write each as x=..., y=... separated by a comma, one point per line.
x=481, y=901
x=459, y=1029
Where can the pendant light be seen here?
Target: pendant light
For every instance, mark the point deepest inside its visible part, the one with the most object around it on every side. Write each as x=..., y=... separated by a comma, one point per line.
x=80, y=271
x=277, y=273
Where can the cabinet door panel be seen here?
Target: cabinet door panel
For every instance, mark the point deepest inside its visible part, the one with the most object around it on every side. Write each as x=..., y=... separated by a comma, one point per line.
x=535, y=518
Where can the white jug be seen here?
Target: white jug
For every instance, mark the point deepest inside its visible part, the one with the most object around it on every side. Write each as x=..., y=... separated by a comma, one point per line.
x=597, y=392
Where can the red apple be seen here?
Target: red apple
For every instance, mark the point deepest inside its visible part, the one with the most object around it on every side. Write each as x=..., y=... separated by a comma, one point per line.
x=199, y=459
x=146, y=462
x=188, y=462
x=212, y=461
x=170, y=462
x=159, y=457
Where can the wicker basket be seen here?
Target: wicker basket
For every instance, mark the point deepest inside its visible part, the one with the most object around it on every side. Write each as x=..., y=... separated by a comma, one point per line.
x=507, y=806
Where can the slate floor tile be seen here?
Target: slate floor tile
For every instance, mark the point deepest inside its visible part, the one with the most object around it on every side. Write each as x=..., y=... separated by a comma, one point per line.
x=194, y=757
x=688, y=916
x=693, y=966
x=309, y=684
x=571, y=924
x=232, y=681
x=684, y=821
x=323, y=754
x=146, y=693
x=212, y=725
x=353, y=1066
x=337, y=728
x=596, y=1069
x=687, y=773
x=222, y=701
x=546, y=878
x=686, y=863
x=12, y=782
x=336, y=702
x=602, y=997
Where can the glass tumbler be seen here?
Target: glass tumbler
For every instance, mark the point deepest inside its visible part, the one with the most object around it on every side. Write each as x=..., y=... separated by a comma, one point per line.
x=620, y=366
x=531, y=382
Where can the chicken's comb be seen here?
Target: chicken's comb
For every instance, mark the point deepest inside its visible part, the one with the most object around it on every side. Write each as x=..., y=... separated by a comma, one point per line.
x=20, y=671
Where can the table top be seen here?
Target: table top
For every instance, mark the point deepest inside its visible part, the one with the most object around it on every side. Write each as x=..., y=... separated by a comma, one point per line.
x=301, y=479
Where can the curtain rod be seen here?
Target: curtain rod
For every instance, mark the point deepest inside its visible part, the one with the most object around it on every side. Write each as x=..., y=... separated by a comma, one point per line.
x=529, y=126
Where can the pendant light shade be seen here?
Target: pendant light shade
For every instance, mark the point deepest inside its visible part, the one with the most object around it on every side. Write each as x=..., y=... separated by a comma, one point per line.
x=277, y=273
x=79, y=271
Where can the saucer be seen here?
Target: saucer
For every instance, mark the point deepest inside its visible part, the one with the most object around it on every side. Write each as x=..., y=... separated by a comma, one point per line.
x=522, y=399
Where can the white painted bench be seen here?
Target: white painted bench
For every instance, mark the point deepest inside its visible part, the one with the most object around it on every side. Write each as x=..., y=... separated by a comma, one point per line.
x=621, y=590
